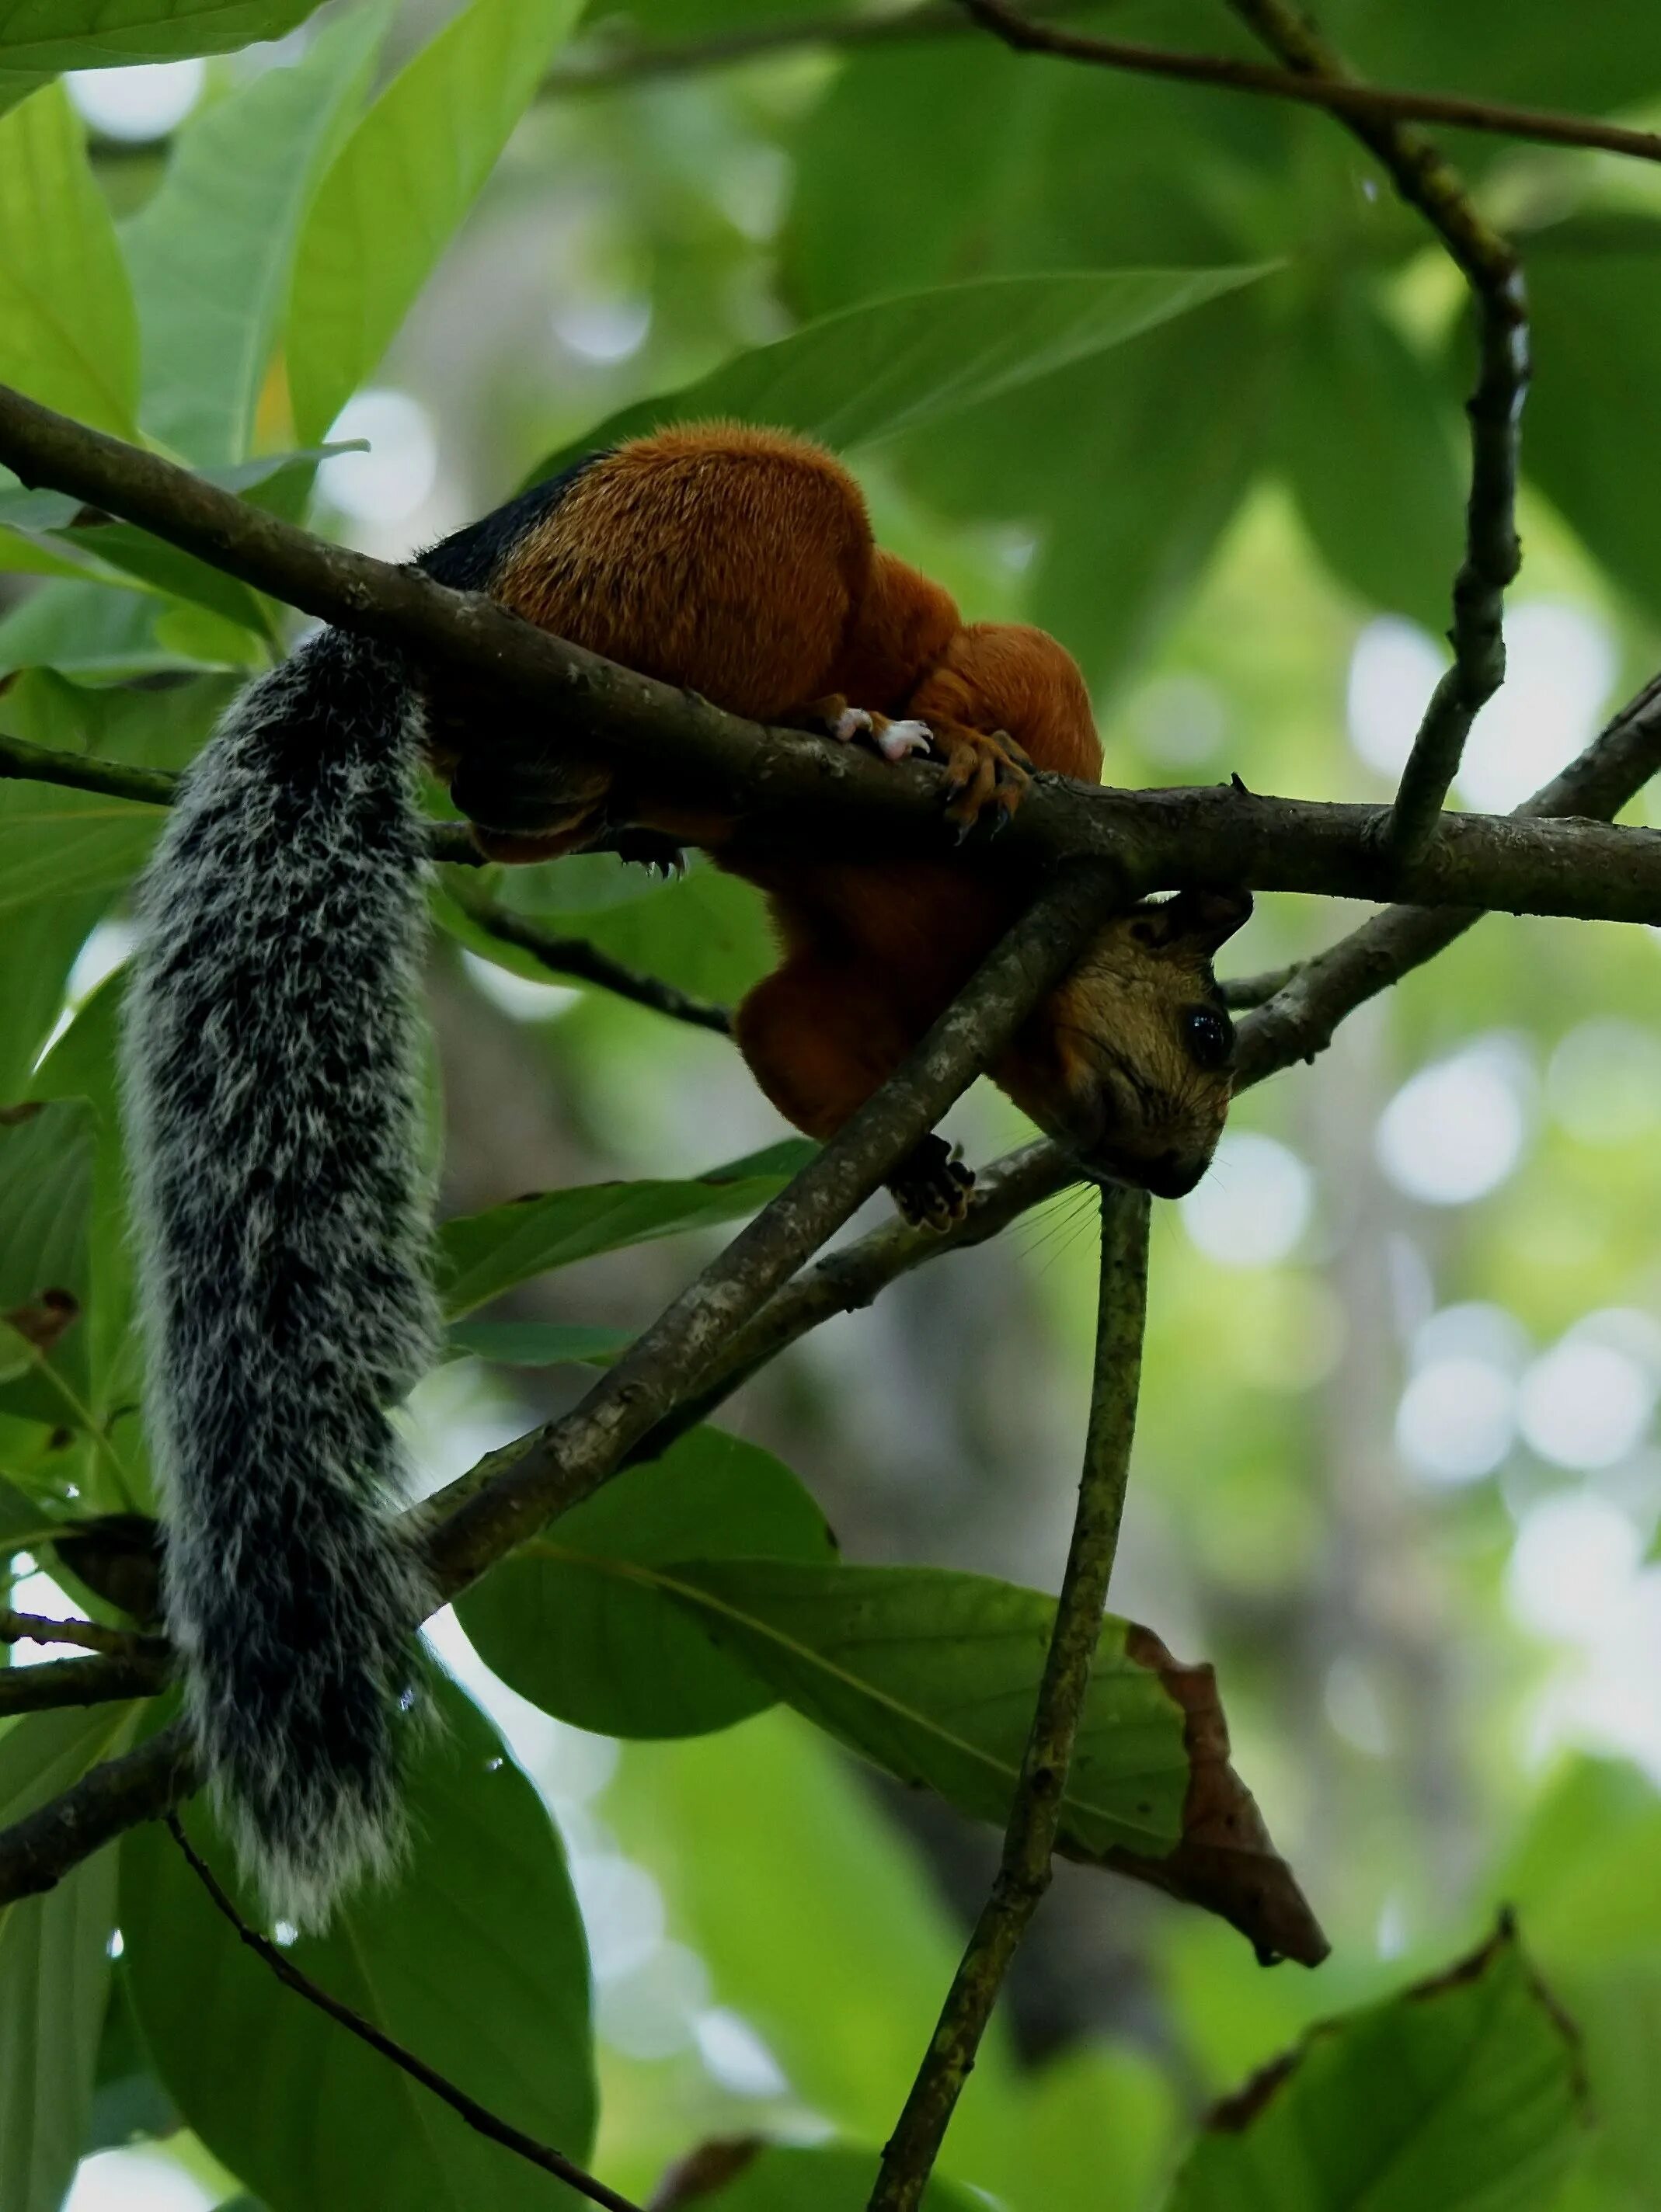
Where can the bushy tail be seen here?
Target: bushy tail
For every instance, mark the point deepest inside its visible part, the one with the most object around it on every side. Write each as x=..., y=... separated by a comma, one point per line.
x=275, y=1085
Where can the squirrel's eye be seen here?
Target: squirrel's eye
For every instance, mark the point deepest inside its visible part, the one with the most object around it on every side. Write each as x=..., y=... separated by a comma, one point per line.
x=1209, y=1035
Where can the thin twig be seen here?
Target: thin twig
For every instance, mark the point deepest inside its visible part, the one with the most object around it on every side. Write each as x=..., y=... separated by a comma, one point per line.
x=1035, y=1815
x=576, y=956
x=477, y=2116
x=1493, y=556
x=1375, y=103
x=89, y=1635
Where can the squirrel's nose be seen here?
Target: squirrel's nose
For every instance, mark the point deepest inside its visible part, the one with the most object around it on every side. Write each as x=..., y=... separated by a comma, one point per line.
x=1173, y=1175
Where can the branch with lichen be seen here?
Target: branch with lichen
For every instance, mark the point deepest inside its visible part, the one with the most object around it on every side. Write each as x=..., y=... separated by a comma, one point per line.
x=1023, y=1870
x=809, y=798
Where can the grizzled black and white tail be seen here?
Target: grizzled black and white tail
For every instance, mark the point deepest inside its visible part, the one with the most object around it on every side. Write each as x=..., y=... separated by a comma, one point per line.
x=274, y=1083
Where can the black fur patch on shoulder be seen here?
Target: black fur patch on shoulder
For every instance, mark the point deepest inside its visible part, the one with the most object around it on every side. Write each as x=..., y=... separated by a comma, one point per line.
x=468, y=559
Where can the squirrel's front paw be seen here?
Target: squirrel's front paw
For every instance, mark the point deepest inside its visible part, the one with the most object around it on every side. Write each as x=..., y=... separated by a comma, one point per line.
x=895, y=741
x=986, y=777
x=930, y=1186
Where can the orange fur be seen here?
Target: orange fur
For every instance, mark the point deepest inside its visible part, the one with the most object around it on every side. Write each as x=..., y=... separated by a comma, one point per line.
x=739, y=562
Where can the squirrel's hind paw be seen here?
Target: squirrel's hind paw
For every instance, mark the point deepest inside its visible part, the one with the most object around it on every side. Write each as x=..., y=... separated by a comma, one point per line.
x=986, y=777
x=930, y=1187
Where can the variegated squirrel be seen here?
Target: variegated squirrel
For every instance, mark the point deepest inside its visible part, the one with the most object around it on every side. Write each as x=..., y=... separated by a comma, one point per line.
x=273, y=1059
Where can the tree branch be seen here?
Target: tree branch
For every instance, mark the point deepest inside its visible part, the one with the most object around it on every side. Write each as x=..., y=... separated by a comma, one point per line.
x=1493, y=554
x=1035, y=1815
x=477, y=2116
x=807, y=795
x=1372, y=102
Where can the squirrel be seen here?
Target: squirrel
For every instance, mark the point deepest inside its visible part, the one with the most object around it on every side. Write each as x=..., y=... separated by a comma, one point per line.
x=273, y=1039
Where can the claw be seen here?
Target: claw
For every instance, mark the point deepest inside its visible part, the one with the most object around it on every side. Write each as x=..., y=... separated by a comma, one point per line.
x=898, y=741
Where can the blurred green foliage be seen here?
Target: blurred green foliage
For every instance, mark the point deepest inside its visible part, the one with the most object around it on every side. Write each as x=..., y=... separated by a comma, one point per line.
x=1172, y=373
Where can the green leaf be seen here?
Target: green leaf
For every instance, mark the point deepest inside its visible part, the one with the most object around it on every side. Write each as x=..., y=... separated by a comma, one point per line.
x=879, y=370
x=212, y=252
x=1127, y=468
x=38, y=948
x=539, y=1343
x=1595, y=331
x=475, y=1960
x=67, y=334
x=75, y=34
x=1463, y=2094
x=103, y=636
x=482, y=1255
x=578, y=1622
x=705, y=932
x=774, y=2178
x=737, y=1829
x=1584, y=1879
x=932, y=1675
x=55, y=841
x=1364, y=439
x=83, y=1066
x=46, y=1267
x=54, y=1964
x=400, y=188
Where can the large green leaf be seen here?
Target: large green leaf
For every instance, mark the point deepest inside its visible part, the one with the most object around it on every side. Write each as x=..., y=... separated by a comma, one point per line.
x=933, y=1675
x=892, y=366
x=1366, y=440
x=77, y=34
x=1013, y=168
x=46, y=1263
x=1463, y=2094
x=1596, y=336
x=99, y=634
x=771, y=2178
x=83, y=1066
x=54, y=1965
x=1584, y=1880
x=211, y=253
x=737, y=1829
x=67, y=334
x=475, y=1960
x=400, y=188
x=704, y=931
x=54, y=843
x=482, y=1255
x=577, y=1620
x=38, y=948
x=1128, y=468
x=1608, y=61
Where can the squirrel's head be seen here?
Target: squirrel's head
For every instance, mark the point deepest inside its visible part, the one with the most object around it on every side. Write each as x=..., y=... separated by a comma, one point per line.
x=1129, y=1061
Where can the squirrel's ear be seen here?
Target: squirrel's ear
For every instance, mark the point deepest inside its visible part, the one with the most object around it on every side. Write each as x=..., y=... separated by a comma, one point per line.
x=1198, y=921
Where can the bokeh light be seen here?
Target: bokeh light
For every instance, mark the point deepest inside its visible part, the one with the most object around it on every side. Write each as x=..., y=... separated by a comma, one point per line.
x=1253, y=1206
x=395, y=477
x=1456, y=1129
x=146, y=101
